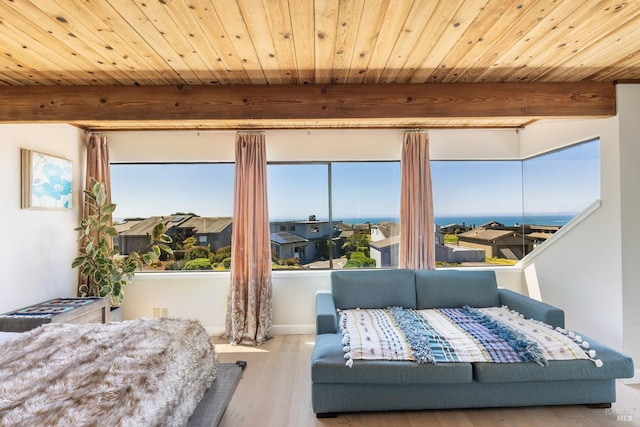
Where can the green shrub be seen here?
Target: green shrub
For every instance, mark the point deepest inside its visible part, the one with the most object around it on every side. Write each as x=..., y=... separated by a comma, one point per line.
x=198, y=252
x=179, y=254
x=221, y=254
x=198, y=264
x=353, y=263
x=226, y=263
x=176, y=265
x=357, y=255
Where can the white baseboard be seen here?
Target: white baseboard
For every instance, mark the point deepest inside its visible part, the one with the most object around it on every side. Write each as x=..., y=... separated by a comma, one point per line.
x=633, y=380
x=275, y=330
x=293, y=329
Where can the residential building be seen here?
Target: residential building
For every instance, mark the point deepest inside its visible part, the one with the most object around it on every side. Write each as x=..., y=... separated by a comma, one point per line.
x=497, y=243
x=301, y=239
x=213, y=232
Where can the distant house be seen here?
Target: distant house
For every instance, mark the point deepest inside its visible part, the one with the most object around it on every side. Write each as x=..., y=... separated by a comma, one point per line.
x=288, y=245
x=384, y=230
x=301, y=239
x=459, y=254
x=134, y=237
x=385, y=251
x=214, y=232
x=455, y=228
x=497, y=243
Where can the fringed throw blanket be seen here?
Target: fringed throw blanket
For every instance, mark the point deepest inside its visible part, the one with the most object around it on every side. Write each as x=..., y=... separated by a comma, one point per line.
x=145, y=372
x=493, y=334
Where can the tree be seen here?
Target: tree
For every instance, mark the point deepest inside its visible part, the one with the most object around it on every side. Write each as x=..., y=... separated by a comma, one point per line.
x=357, y=242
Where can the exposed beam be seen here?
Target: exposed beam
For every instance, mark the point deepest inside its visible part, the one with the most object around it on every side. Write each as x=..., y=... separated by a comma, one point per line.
x=307, y=102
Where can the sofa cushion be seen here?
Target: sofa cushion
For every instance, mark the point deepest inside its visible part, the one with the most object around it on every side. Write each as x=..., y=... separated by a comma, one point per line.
x=373, y=288
x=455, y=288
x=328, y=366
x=614, y=365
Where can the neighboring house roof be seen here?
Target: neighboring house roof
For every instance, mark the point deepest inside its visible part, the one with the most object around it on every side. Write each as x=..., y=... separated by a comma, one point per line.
x=207, y=225
x=145, y=226
x=127, y=224
x=487, y=235
x=388, y=228
x=540, y=235
x=385, y=243
x=285, y=237
x=346, y=233
x=491, y=224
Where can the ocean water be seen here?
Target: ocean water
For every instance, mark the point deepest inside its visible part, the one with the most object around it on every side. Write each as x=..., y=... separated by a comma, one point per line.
x=508, y=220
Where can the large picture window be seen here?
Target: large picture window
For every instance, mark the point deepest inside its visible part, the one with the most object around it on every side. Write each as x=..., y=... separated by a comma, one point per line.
x=335, y=215
x=497, y=212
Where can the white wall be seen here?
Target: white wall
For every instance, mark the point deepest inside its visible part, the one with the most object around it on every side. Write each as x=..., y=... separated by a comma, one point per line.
x=581, y=272
x=38, y=246
x=629, y=112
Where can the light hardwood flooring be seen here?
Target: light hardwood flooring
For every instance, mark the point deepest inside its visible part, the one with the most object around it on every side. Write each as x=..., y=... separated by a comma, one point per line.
x=275, y=390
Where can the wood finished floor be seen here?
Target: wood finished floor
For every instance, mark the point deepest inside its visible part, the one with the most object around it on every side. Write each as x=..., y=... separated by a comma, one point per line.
x=275, y=390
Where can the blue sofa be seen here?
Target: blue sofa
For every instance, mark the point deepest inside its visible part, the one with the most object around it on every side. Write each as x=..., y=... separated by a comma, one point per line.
x=374, y=385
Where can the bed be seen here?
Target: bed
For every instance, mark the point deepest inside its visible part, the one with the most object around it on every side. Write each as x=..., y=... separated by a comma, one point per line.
x=143, y=372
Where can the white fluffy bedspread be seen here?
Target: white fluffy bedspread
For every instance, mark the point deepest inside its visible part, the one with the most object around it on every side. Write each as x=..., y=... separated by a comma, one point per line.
x=144, y=372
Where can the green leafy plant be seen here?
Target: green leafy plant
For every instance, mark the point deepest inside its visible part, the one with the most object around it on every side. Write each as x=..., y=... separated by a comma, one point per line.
x=103, y=271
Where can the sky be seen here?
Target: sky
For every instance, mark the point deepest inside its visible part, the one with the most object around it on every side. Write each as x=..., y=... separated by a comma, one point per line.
x=565, y=181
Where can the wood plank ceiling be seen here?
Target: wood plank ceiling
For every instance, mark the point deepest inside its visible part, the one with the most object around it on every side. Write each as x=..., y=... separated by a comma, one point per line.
x=102, y=43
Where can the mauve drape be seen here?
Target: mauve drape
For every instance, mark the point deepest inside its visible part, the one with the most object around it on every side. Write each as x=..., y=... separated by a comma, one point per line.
x=98, y=163
x=417, y=240
x=249, y=305
x=97, y=168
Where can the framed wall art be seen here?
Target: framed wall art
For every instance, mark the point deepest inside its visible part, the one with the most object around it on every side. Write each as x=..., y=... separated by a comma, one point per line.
x=47, y=181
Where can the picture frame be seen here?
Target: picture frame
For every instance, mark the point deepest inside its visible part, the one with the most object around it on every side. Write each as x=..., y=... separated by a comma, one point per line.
x=47, y=181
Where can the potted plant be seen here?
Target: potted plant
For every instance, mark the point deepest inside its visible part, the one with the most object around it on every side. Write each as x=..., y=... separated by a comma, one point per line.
x=103, y=271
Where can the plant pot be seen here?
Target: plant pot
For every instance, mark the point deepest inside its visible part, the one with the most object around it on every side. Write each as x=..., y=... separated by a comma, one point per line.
x=116, y=314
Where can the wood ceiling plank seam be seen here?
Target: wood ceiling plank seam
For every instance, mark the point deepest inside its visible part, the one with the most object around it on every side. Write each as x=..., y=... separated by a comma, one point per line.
x=558, y=29
x=48, y=49
x=167, y=26
x=568, y=40
x=145, y=29
x=119, y=20
x=631, y=63
x=601, y=49
x=325, y=21
x=431, y=68
x=231, y=18
x=116, y=49
x=394, y=20
x=421, y=12
x=282, y=36
x=441, y=19
x=368, y=30
x=111, y=18
x=16, y=64
x=262, y=38
x=536, y=24
x=349, y=18
x=182, y=15
x=475, y=41
x=301, y=16
x=57, y=25
x=214, y=31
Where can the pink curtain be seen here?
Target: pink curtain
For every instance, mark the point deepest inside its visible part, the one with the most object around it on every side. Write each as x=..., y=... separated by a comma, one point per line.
x=249, y=304
x=417, y=240
x=98, y=162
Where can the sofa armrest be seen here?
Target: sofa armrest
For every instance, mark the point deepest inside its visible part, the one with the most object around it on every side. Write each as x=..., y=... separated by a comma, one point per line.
x=326, y=315
x=531, y=308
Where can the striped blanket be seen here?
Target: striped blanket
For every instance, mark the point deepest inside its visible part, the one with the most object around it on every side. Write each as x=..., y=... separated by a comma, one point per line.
x=494, y=334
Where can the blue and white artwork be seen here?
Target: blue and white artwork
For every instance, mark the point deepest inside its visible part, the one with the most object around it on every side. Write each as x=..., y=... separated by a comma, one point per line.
x=49, y=181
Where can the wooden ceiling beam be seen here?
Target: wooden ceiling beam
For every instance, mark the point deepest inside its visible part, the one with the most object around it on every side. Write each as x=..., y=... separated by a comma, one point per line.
x=306, y=102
